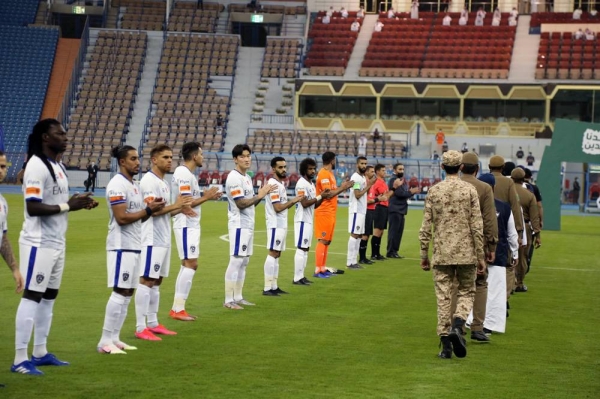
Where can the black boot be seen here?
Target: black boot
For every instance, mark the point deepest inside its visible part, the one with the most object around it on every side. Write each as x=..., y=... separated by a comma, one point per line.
x=459, y=344
x=446, y=346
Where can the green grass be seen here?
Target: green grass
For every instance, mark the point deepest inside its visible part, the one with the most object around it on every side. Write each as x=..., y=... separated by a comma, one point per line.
x=366, y=334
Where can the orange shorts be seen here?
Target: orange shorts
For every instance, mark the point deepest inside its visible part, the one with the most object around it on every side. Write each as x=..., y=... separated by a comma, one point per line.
x=324, y=226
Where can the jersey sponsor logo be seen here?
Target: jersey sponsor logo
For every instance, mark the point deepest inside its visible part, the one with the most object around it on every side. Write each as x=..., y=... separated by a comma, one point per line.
x=324, y=181
x=40, y=277
x=32, y=191
x=33, y=183
x=57, y=190
x=134, y=205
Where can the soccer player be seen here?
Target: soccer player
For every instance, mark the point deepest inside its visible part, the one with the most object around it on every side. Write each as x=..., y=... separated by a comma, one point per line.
x=303, y=218
x=240, y=213
x=357, y=210
x=127, y=212
x=187, y=227
x=5, y=247
x=276, y=206
x=156, y=244
x=381, y=195
x=42, y=243
x=325, y=214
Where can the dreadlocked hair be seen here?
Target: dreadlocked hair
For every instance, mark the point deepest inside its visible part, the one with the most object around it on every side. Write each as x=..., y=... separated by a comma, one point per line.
x=34, y=142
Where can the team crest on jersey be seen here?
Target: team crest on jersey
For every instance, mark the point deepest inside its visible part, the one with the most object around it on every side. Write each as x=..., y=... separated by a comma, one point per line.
x=193, y=249
x=244, y=247
x=135, y=190
x=156, y=267
x=60, y=175
x=125, y=276
x=40, y=277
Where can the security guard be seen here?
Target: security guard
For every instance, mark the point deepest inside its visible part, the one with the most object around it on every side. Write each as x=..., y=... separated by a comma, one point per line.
x=452, y=207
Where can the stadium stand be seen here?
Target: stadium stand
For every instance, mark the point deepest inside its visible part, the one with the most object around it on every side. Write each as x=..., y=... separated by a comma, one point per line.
x=269, y=9
x=18, y=12
x=27, y=57
x=330, y=45
x=105, y=101
x=561, y=56
x=187, y=17
x=539, y=18
x=184, y=107
x=423, y=47
x=142, y=14
x=282, y=58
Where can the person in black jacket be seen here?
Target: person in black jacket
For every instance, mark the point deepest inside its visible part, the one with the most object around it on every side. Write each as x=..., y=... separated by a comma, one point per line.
x=397, y=209
x=92, y=170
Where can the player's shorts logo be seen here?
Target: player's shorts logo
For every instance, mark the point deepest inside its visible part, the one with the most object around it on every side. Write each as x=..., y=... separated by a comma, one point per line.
x=39, y=278
x=156, y=267
x=193, y=249
x=125, y=276
x=357, y=228
x=244, y=247
x=277, y=242
x=306, y=240
x=323, y=234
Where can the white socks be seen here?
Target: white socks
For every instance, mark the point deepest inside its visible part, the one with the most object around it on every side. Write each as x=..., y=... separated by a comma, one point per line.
x=111, y=317
x=241, y=277
x=26, y=313
x=117, y=331
x=270, y=263
x=300, y=259
x=231, y=277
x=353, y=247
x=42, y=323
x=183, y=285
x=142, y=305
x=152, y=317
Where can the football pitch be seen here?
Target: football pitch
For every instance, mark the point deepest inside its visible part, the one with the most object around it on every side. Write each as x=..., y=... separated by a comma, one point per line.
x=365, y=334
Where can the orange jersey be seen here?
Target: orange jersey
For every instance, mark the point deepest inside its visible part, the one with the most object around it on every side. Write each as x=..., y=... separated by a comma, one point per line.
x=326, y=180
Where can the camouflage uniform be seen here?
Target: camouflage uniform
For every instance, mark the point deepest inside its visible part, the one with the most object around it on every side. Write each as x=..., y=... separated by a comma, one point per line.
x=452, y=206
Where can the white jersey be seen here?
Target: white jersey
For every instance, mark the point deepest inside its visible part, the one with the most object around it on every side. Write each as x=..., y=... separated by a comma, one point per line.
x=3, y=217
x=156, y=231
x=185, y=183
x=121, y=191
x=44, y=231
x=276, y=219
x=306, y=188
x=239, y=186
x=358, y=205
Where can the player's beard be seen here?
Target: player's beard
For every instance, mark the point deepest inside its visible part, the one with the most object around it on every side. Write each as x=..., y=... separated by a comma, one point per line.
x=282, y=175
x=362, y=170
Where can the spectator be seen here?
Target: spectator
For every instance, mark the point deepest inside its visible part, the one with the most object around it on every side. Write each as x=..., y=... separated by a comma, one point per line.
x=464, y=14
x=474, y=152
x=435, y=156
x=514, y=13
x=329, y=12
x=362, y=145
x=326, y=19
x=341, y=172
x=465, y=148
x=579, y=34
x=520, y=153
x=361, y=12
x=378, y=26
x=576, y=190
x=530, y=159
x=344, y=12
x=414, y=10
x=376, y=136
x=92, y=170
x=593, y=13
x=577, y=14
x=589, y=35
x=512, y=21
x=497, y=17
x=444, y=147
x=391, y=14
x=355, y=27
x=479, y=17
x=447, y=20
x=219, y=123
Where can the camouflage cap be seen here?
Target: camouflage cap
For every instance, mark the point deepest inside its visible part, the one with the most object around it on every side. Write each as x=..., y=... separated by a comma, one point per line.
x=517, y=173
x=496, y=161
x=470, y=158
x=452, y=158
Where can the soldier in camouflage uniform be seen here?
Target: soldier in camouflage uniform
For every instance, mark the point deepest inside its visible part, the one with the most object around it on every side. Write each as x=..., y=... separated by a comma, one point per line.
x=452, y=206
